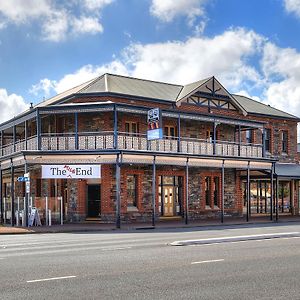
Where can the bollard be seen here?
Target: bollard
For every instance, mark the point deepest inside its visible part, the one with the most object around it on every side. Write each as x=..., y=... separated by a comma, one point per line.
x=49, y=218
x=17, y=218
x=61, y=211
x=47, y=212
x=23, y=218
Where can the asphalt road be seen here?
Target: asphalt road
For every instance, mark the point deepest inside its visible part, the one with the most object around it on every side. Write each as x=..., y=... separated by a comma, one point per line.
x=142, y=265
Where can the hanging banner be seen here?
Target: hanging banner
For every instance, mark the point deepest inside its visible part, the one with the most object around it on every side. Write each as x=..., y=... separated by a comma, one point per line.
x=71, y=171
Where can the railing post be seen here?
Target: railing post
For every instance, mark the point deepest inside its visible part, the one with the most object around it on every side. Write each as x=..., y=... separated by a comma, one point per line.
x=76, y=130
x=26, y=133
x=38, y=130
x=215, y=137
x=115, y=127
x=178, y=133
x=14, y=138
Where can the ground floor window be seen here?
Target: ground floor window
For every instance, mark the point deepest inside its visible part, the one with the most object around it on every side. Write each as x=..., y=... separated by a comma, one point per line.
x=131, y=191
x=260, y=197
x=212, y=191
x=284, y=199
x=170, y=195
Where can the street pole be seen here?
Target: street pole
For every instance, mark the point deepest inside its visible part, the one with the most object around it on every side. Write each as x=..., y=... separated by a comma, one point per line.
x=153, y=191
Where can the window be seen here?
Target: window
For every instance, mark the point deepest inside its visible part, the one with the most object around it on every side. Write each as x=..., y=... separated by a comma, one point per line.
x=131, y=127
x=131, y=190
x=170, y=131
x=216, y=191
x=284, y=143
x=248, y=136
x=209, y=136
x=38, y=191
x=212, y=191
x=268, y=140
x=207, y=191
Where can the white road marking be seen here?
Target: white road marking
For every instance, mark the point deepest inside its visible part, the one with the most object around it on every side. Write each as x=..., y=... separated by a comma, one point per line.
x=206, y=261
x=239, y=242
x=48, y=279
x=228, y=239
x=116, y=248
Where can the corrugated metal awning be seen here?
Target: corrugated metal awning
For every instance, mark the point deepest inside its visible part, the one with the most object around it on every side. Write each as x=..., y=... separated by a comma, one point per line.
x=289, y=170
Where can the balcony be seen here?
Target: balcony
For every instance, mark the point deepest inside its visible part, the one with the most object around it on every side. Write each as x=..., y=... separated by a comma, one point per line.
x=133, y=142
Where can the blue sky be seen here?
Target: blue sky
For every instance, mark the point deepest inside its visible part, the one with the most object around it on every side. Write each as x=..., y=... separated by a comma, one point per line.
x=48, y=46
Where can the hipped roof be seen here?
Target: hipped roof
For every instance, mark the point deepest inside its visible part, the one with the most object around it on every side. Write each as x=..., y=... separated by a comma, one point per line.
x=129, y=86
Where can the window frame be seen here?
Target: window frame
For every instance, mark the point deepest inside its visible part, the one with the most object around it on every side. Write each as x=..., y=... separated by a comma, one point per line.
x=284, y=141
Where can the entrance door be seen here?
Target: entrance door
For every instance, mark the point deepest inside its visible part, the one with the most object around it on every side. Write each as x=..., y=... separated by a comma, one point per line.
x=93, y=200
x=168, y=192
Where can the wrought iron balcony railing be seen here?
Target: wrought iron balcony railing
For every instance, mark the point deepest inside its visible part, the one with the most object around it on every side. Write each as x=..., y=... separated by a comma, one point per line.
x=135, y=142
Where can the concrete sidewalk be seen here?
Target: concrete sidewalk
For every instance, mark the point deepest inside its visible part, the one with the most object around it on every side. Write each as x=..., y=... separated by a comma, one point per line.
x=94, y=227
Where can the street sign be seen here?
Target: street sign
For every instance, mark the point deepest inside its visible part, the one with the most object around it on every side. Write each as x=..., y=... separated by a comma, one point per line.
x=154, y=118
x=23, y=179
x=27, y=187
x=154, y=131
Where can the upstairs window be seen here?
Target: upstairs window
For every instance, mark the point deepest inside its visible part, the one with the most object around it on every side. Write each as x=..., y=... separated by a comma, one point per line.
x=268, y=139
x=284, y=141
x=248, y=136
x=209, y=136
x=131, y=128
x=170, y=131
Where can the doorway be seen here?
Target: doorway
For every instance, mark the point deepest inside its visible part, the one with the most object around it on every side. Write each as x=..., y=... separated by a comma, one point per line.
x=93, y=200
x=170, y=196
x=168, y=192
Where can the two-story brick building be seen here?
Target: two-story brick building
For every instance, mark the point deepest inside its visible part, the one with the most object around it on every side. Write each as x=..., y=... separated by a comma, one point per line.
x=218, y=155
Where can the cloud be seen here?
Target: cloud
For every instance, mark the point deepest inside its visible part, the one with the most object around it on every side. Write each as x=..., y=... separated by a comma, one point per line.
x=47, y=87
x=86, y=25
x=167, y=10
x=281, y=68
x=292, y=6
x=11, y=105
x=228, y=56
x=225, y=56
x=58, y=21
x=20, y=11
x=92, y=5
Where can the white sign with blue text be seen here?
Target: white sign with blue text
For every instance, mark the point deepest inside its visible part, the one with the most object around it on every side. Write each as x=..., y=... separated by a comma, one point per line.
x=71, y=171
x=154, y=134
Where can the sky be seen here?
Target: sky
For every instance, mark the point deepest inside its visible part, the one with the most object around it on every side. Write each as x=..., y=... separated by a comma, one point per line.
x=251, y=46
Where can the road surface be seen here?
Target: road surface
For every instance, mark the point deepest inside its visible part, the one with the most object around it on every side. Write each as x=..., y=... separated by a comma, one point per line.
x=142, y=264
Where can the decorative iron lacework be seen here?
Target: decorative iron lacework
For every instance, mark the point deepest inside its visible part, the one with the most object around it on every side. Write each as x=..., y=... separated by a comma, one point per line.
x=132, y=110
x=78, y=110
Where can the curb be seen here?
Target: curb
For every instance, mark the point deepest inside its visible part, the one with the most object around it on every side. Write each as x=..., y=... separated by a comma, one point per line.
x=179, y=226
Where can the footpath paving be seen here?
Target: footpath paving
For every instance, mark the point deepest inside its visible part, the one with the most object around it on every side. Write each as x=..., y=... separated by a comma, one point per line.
x=93, y=227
